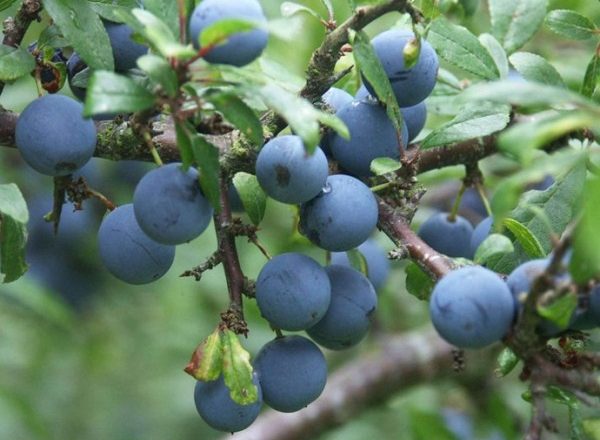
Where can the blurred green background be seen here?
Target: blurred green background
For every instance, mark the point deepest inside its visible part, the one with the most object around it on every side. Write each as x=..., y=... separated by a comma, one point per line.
x=85, y=356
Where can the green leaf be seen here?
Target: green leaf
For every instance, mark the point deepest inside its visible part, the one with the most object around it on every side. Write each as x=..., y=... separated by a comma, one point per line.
x=299, y=113
x=51, y=37
x=492, y=248
x=592, y=76
x=160, y=72
x=384, y=165
x=585, y=261
x=570, y=24
x=111, y=9
x=290, y=8
x=239, y=114
x=525, y=93
x=592, y=428
x=237, y=370
x=184, y=134
x=535, y=68
x=206, y=156
x=358, y=261
x=218, y=32
x=458, y=46
x=109, y=92
x=167, y=10
x=560, y=311
x=522, y=140
x=428, y=425
x=543, y=213
x=83, y=28
x=13, y=233
x=472, y=121
x=525, y=237
x=371, y=68
x=207, y=360
x=418, y=283
x=252, y=196
x=497, y=52
x=469, y=6
x=514, y=22
x=507, y=361
x=15, y=62
x=5, y=4
x=159, y=34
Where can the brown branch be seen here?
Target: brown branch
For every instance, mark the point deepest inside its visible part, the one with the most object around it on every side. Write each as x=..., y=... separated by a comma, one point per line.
x=400, y=362
x=398, y=229
x=234, y=317
x=16, y=27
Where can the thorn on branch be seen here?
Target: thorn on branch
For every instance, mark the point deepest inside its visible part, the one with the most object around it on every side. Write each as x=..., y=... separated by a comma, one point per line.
x=213, y=261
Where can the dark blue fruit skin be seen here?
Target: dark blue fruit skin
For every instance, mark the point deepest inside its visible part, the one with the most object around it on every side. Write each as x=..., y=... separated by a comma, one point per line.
x=471, y=307
x=521, y=279
x=169, y=205
x=292, y=372
x=336, y=99
x=449, y=238
x=471, y=205
x=342, y=216
x=235, y=202
x=348, y=319
x=288, y=173
x=372, y=135
x=413, y=85
x=378, y=265
x=128, y=253
x=75, y=65
x=480, y=233
x=53, y=137
x=293, y=292
x=241, y=48
x=414, y=116
x=589, y=317
x=125, y=50
x=220, y=411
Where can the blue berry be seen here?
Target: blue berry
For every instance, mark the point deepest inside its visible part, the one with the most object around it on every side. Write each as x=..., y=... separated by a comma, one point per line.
x=53, y=137
x=480, y=233
x=292, y=291
x=452, y=238
x=169, y=205
x=348, y=319
x=378, y=265
x=240, y=49
x=125, y=50
x=342, y=216
x=471, y=307
x=220, y=411
x=292, y=372
x=288, y=173
x=128, y=253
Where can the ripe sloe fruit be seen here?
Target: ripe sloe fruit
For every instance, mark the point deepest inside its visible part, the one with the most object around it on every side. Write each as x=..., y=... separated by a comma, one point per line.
x=480, y=233
x=414, y=116
x=240, y=49
x=471, y=307
x=75, y=65
x=348, y=319
x=372, y=135
x=336, y=99
x=169, y=205
x=413, y=85
x=125, y=50
x=521, y=279
x=128, y=253
x=292, y=291
x=449, y=238
x=288, y=173
x=292, y=372
x=220, y=411
x=342, y=216
x=53, y=137
x=378, y=265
